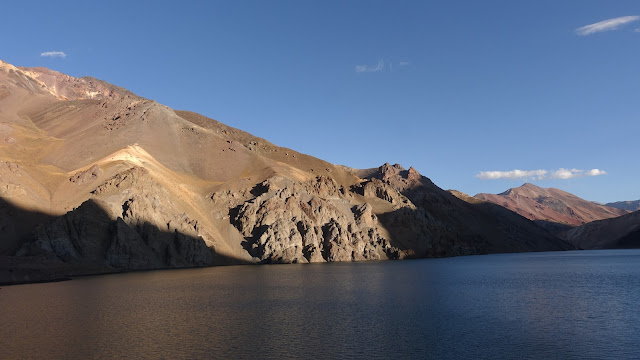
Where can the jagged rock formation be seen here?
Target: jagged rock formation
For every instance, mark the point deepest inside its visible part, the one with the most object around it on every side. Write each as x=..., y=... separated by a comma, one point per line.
x=97, y=179
x=310, y=221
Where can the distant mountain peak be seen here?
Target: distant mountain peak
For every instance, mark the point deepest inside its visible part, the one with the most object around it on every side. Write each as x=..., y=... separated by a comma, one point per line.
x=550, y=204
x=625, y=205
x=526, y=188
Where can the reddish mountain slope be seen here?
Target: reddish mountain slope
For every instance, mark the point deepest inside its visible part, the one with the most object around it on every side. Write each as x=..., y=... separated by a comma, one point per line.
x=548, y=204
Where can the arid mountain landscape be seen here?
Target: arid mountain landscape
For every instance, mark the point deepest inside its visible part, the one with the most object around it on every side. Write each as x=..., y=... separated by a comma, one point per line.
x=551, y=205
x=584, y=224
x=96, y=179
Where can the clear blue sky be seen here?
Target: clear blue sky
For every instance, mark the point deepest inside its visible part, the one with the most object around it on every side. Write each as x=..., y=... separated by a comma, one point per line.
x=453, y=88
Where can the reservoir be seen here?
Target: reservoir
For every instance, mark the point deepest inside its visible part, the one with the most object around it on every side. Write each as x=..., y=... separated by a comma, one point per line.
x=554, y=305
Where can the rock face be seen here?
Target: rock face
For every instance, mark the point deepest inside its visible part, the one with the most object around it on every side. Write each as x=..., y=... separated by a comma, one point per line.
x=553, y=205
x=85, y=176
x=311, y=221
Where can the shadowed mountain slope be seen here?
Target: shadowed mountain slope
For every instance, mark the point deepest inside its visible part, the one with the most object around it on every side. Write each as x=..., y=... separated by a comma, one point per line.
x=451, y=224
x=620, y=232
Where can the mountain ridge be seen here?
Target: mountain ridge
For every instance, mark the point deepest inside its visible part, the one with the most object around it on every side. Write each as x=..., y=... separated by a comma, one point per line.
x=633, y=205
x=551, y=205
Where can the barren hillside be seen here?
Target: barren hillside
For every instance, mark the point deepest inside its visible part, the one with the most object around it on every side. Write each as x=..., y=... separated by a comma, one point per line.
x=96, y=179
x=552, y=205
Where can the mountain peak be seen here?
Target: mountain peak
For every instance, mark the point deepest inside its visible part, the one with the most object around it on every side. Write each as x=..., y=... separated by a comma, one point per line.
x=549, y=204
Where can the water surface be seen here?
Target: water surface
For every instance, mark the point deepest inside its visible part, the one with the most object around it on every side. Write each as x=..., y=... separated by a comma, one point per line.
x=562, y=305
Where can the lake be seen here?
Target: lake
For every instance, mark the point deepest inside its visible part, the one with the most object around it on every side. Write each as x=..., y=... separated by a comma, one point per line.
x=560, y=305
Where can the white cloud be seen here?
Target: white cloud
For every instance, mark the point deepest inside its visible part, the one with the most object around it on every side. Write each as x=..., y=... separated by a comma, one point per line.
x=596, y=172
x=561, y=173
x=370, y=68
x=606, y=25
x=513, y=174
x=54, y=54
x=404, y=63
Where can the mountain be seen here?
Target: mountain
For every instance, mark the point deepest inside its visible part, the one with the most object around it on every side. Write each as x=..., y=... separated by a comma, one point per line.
x=615, y=233
x=625, y=205
x=551, y=207
x=96, y=179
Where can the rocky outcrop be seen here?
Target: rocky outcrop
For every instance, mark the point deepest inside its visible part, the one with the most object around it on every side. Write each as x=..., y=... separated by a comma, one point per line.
x=376, y=188
x=313, y=221
x=86, y=176
x=133, y=177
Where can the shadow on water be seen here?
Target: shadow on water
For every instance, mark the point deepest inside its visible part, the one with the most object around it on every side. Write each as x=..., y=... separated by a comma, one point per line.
x=37, y=247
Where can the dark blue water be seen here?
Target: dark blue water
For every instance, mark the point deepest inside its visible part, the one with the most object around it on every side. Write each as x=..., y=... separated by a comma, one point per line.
x=564, y=305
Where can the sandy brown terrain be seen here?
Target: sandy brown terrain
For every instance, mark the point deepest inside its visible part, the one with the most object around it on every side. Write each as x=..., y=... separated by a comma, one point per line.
x=552, y=205
x=96, y=179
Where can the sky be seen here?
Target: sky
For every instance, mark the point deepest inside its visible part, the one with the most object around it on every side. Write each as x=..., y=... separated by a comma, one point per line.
x=479, y=96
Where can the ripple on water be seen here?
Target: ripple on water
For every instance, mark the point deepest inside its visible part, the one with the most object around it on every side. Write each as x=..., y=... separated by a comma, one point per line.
x=569, y=305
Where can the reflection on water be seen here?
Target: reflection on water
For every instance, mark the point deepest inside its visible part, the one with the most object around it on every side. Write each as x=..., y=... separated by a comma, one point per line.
x=576, y=305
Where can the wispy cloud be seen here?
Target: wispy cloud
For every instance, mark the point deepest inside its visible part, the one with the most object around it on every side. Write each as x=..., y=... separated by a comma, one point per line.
x=513, y=174
x=370, y=68
x=606, y=25
x=54, y=54
x=380, y=66
x=561, y=173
